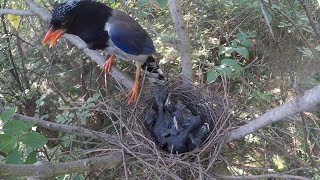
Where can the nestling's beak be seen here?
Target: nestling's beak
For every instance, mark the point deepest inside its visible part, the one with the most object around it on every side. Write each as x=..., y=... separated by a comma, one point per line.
x=53, y=35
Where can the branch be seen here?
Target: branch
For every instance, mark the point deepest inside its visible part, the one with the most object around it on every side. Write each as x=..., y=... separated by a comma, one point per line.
x=266, y=19
x=80, y=131
x=17, y=12
x=183, y=37
x=264, y=176
x=46, y=169
x=94, y=55
x=300, y=33
x=311, y=20
x=309, y=101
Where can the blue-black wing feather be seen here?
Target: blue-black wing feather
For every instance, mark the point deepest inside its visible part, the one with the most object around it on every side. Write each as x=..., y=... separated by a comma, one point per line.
x=130, y=37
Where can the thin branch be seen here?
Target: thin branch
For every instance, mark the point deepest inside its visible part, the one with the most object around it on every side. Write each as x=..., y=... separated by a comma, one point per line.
x=300, y=33
x=66, y=128
x=183, y=36
x=94, y=55
x=311, y=20
x=44, y=169
x=309, y=101
x=264, y=176
x=17, y=12
x=266, y=19
x=306, y=132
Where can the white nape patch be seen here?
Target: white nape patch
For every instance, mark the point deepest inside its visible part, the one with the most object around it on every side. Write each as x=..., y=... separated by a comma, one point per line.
x=71, y=2
x=107, y=27
x=67, y=5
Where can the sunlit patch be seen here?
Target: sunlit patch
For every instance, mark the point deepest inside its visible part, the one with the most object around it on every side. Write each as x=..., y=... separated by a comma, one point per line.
x=279, y=162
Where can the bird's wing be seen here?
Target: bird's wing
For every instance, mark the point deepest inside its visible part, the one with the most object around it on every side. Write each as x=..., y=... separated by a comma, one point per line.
x=128, y=35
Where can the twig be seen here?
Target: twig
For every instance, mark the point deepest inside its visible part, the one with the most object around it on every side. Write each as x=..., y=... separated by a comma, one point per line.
x=300, y=33
x=299, y=92
x=266, y=19
x=309, y=101
x=264, y=176
x=311, y=20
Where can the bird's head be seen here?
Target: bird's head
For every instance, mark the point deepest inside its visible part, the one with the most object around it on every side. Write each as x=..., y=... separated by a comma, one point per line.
x=62, y=18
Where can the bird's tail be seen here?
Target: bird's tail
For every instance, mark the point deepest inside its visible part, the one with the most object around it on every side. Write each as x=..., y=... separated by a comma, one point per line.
x=154, y=73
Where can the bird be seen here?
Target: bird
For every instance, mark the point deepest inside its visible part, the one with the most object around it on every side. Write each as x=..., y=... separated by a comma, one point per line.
x=107, y=29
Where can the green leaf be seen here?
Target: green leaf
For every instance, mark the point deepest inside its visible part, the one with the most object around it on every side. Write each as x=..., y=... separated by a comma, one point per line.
x=14, y=20
x=162, y=3
x=212, y=75
x=14, y=128
x=14, y=157
x=233, y=64
x=224, y=69
x=30, y=124
x=7, y=115
x=229, y=62
x=143, y=14
x=7, y=143
x=141, y=3
x=31, y=158
x=243, y=52
x=246, y=43
x=241, y=36
x=78, y=177
x=234, y=43
x=225, y=50
x=34, y=139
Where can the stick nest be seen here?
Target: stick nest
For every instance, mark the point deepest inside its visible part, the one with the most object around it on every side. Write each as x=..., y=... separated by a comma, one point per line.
x=151, y=160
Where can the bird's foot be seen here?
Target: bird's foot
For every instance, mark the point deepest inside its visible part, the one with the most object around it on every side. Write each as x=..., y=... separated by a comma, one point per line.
x=108, y=64
x=133, y=94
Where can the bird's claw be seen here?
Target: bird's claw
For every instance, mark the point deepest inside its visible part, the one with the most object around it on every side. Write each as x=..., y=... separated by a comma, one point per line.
x=132, y=95
x=108, y=64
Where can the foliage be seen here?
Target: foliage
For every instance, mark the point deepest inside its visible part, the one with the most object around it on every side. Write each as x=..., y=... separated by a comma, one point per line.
x=17, y=141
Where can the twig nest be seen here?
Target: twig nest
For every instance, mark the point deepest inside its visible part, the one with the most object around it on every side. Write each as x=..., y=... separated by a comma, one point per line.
x=173, y=126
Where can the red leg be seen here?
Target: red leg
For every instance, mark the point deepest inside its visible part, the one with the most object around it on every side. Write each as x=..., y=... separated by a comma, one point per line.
x=108, y=64
x=133, y=94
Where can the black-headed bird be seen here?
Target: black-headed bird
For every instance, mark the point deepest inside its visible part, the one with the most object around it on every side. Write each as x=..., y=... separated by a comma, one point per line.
x=104, y=28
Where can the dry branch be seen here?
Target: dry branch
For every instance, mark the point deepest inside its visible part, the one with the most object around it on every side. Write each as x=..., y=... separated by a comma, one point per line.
x=309, y=101
x=44, y=170
x=184, y=42
x=94, y=55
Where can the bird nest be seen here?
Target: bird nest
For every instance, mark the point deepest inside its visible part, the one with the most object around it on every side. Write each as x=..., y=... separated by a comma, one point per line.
x=198, y=104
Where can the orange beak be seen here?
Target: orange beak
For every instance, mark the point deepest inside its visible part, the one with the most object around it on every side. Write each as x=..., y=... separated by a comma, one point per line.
x=52, y=35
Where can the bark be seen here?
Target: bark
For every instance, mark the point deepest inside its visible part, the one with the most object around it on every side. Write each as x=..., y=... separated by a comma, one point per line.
x=17, y=12
x=309, y=101
x=183, y=37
